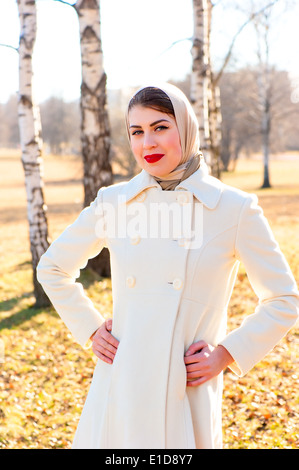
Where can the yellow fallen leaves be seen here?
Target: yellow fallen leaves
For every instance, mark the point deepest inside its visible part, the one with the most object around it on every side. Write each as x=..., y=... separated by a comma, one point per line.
x=45, y=376
x=261, y=410
x=44, y=379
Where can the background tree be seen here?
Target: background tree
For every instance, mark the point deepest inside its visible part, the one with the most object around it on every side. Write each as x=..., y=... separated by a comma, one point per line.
x=123, y=160
x=31, y=144
x=9, y=129
x=200, y=72
x=262, y=16
x=95, y=127
x=205, y=91
x=264, y=79
x=242, y=114
x=204, y=94
x=61, y=125
x=95, y=130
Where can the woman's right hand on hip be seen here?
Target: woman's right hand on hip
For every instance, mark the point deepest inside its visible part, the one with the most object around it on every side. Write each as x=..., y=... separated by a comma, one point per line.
x=104, y=345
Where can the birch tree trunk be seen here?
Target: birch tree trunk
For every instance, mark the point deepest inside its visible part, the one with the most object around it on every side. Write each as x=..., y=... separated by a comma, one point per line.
x=200, y=73
x=266, y=122
x=31, y=144
x=205, y=95
x=215, y=128
x=214, y=104
x=95, y=128
x=262, y=26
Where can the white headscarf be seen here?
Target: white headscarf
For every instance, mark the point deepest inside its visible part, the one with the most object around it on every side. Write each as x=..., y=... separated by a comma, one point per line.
x=189, y=136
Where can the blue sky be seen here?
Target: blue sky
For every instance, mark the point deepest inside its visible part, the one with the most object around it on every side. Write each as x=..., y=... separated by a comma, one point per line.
x=136, y=35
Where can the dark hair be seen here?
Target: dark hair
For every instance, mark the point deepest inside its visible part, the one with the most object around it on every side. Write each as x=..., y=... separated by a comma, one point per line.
x=155, y=98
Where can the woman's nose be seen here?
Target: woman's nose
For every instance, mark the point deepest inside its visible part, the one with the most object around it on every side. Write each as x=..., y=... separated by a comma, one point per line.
x=149, y=141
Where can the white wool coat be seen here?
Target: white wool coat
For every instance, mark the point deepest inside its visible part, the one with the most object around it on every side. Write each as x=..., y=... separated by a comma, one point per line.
x=169, y=290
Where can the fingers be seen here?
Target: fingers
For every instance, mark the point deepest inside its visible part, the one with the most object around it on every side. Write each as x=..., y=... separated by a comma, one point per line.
x=103, y=357
x=107, y=337
x=197, y=363
x=108, y=324
x=195, y=347
x=103, y=353
x=195, y=383
x=196, y=375
x=195, y=369
x=104, y=344
x=104, y=350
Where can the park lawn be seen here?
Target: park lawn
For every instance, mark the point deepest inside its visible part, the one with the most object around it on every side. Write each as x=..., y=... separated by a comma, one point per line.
x=45, y=375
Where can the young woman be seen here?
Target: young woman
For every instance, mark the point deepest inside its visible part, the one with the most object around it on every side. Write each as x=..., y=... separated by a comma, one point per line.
x=175, y=236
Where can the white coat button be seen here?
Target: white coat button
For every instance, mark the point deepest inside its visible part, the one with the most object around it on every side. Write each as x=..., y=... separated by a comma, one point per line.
x=184, y=242
x=131, y=281
x=135, y=240
x=182, y=198
x=141, y=197
x=177, y=283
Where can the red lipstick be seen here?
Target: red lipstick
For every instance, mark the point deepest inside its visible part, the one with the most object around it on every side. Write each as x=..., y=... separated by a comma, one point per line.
x=155, y=157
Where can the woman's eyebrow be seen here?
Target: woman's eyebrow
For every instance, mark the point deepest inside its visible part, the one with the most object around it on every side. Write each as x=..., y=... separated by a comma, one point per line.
x=152, y=124
x=157, y=122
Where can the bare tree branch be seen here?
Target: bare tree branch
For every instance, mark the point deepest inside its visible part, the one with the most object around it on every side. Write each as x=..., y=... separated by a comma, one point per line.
x=10, y=47
x=65, y=3
x=171, y=45
x=229, y=53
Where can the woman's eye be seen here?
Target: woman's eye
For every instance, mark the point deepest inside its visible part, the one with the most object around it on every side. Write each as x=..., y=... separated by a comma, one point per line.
x=136, y=132
x=158, y=128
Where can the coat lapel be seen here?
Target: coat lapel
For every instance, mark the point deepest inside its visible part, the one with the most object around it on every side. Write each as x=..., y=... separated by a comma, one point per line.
x=138, y=184
x=204, y=187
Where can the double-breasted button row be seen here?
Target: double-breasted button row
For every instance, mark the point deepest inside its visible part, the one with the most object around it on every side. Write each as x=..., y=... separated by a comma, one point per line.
x=135, y=239
x=177, y=283
x=131, y=281
x=182, y=198
x=183, y=242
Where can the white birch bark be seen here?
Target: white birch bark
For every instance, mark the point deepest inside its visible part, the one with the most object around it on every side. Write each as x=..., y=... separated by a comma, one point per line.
x=200, y=73
x=205, y=96
x=215, y=129
x=31, y=144
x=95, y=129
x=262, y=26
x=214, y=104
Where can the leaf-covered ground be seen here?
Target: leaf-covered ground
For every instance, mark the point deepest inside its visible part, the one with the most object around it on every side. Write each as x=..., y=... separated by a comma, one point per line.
x=45, y=375
x=44, y=378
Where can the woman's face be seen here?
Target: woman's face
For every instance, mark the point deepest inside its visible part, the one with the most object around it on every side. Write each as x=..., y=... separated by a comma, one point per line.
x=155, y=140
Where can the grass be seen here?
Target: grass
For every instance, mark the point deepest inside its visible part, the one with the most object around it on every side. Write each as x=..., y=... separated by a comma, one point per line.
x=45, y=375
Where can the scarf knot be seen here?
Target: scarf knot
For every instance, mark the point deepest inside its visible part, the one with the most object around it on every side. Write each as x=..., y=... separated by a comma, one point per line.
x=180, y=173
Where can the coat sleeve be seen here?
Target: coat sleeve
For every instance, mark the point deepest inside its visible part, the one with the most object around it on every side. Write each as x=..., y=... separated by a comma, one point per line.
x=60, y=265
x=271, y=279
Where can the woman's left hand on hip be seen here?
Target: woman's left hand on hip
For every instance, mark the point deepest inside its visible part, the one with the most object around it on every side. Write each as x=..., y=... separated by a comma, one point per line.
x=203, y=362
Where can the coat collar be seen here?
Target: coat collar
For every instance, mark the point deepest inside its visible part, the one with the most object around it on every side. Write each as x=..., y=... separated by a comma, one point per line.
x=204, y=187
